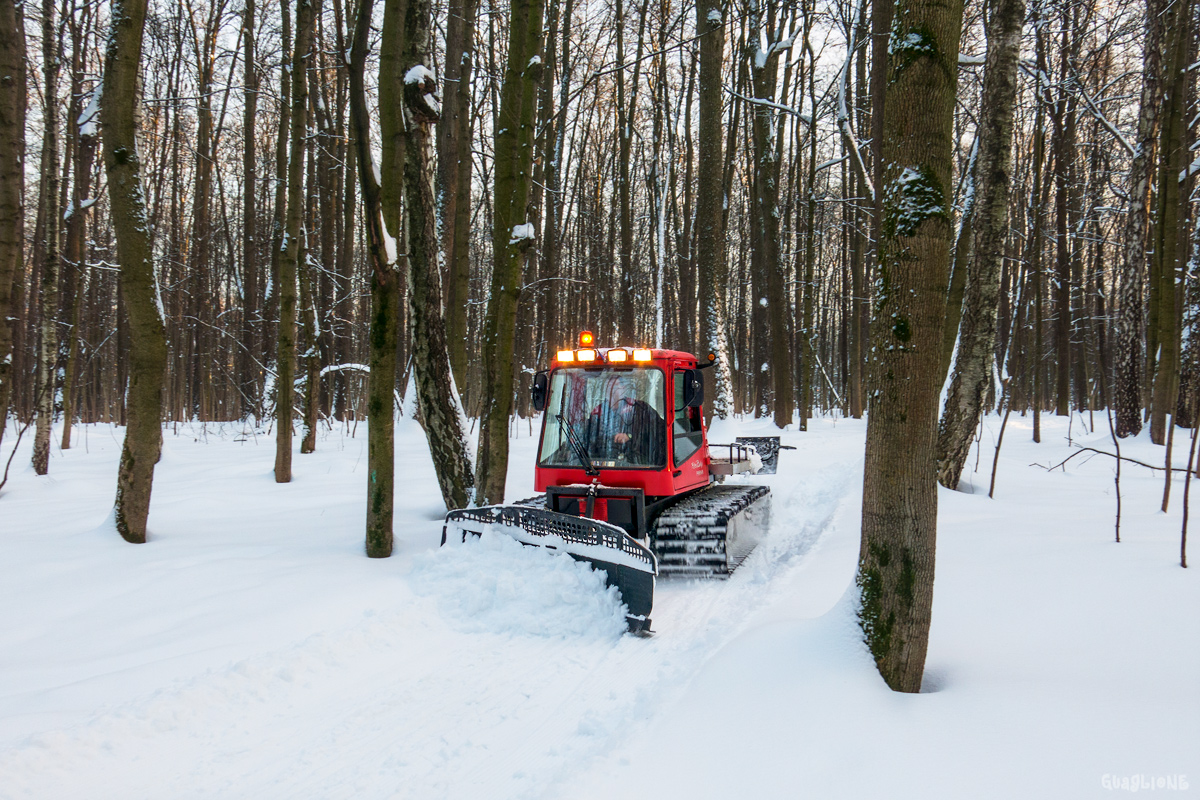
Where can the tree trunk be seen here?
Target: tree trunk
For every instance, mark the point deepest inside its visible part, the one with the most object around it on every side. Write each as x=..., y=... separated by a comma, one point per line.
x=147, y=338
x=12, y=177
x=1173, y=161
x=454, y=179
x=385, y=302
x=1130, y=328
x=250, y=377
x=710, y=251
x=289, y=255
x=437, y=398
x=899, y=521
x=510, y=240
x=972, y=374
x=82, y=135
x=48, y=346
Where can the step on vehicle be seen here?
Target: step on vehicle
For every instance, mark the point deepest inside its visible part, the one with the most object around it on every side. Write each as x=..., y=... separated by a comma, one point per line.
x=629, y=480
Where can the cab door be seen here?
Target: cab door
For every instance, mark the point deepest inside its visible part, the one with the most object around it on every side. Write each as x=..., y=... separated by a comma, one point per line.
x=688, y=453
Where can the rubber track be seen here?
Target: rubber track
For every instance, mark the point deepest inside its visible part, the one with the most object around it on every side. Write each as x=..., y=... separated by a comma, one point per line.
x=689, y=538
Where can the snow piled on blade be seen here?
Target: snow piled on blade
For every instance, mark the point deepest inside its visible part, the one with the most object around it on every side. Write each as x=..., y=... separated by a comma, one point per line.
x=494, y=584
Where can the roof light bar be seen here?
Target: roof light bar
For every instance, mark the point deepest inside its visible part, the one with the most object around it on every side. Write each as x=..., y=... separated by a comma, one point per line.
x=616, y=355
x=642, y=355
x=585, y=355
x=566, y=355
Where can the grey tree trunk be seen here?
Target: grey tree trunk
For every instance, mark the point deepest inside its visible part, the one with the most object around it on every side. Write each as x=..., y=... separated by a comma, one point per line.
x=510, y=241
x=48, y=346
x=289, y=255
x=899, y=521
x=250, y=376
x=977, y=331
x=441, y=413
x=12, y=174
x=1130, y=328
x=147, y=338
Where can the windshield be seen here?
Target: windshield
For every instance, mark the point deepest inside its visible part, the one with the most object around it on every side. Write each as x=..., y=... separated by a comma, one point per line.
x=608, y=417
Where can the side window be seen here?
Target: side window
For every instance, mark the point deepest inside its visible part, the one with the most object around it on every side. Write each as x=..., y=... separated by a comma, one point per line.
x=686, y=432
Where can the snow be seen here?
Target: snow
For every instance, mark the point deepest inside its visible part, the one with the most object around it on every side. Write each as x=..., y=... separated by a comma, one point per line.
x=89, y=117
x=714, y=16
x=522, y=232
x=250, y=649
x=420, y=74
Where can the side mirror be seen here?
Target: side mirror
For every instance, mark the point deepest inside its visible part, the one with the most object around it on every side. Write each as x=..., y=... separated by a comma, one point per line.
x=540, y=387
x=693, y=388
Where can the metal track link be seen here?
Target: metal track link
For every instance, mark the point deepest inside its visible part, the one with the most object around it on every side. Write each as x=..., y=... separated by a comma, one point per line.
x=708, y=534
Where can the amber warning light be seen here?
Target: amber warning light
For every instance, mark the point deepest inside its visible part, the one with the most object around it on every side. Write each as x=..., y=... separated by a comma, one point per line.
x=586, y=339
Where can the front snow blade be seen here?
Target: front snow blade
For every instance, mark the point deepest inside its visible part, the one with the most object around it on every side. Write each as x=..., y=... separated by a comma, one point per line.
x=626, y=563
x=768, y=448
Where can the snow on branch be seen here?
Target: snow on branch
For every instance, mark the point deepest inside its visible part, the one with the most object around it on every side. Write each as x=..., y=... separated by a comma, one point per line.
x=522, y=233
x=420, y=74
x=344, y=368
x=759, y=101
x=844, y=114
x=1094, y=107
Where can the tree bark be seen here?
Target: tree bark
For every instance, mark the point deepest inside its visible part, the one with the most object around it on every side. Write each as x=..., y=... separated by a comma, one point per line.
x=972, y=374
x=1130, y=327
x=82, y=132
x=513, y=176
x=899, y=521
x=764, y=77
x=13, y=100
x=147, y=338
x=710, y=252
x=385, y=302
x=48, y=285
x=437, y=398
x=289, y=256
x=454, y=178
x=251, y=379
x=1166, y=263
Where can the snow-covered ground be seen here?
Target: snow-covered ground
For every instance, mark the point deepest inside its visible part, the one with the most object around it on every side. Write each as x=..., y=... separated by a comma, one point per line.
x=251, y=650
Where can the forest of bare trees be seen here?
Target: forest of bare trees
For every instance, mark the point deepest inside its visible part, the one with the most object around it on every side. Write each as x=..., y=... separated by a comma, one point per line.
x=294, y=214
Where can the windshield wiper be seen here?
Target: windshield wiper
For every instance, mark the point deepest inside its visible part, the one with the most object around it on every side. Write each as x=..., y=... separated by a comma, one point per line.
x=580, y=451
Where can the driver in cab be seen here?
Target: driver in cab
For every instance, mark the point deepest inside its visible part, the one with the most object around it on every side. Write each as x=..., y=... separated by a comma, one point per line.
x=627, y=428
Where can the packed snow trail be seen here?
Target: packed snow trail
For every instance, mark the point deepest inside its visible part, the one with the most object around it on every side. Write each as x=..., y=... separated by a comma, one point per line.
x=250, y=650
x=488, y=670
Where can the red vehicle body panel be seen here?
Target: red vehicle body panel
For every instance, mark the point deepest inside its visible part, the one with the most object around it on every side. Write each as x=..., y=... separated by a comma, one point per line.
x=667, y=481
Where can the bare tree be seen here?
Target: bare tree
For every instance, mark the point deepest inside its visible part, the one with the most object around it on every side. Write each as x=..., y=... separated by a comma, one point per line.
x=972, y=373
x=512, y=237
x=899, y=520
x=47, y=362
x=289, y=256
x=385, y=302
x=147, y=339
x=710, y=27
x=437, y=398
x=12, y=172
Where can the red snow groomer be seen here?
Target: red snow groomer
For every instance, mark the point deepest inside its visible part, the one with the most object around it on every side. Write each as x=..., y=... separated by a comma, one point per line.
x=632, y=484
